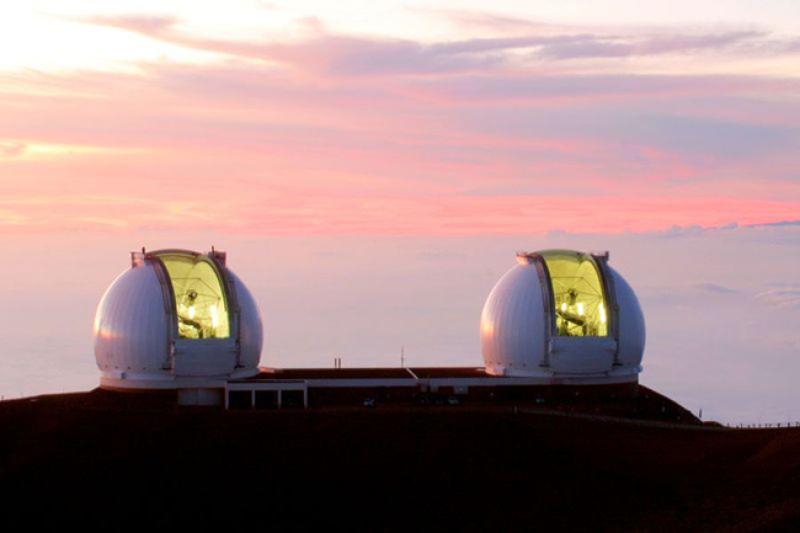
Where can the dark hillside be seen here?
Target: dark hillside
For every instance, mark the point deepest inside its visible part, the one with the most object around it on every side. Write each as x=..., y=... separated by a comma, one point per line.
x=117, y=461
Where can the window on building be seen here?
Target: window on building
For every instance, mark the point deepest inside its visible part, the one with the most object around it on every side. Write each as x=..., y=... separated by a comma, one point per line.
x=578, y=296
x=199, y=296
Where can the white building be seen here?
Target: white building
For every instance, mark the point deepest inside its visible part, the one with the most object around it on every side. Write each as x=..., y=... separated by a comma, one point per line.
x=565, y=317
x=182, y=320
x=176, y=320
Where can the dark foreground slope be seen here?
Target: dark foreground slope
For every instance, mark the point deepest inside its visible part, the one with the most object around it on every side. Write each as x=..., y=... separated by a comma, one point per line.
x=110, y=461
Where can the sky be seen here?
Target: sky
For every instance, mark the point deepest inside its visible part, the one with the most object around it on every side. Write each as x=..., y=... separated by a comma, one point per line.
x=382, y=161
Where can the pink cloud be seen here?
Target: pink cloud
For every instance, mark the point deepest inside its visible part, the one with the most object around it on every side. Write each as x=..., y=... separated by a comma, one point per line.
x=331, y=54
x=291, y=213
x=268, y=150
x=146, y=24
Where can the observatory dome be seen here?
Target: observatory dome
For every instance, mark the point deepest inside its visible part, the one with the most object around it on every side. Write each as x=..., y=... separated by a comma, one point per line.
x=563, y=316
x=176, y=318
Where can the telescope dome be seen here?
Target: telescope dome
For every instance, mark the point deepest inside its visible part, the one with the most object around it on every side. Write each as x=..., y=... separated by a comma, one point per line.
x=174, y=319
x=564, y=316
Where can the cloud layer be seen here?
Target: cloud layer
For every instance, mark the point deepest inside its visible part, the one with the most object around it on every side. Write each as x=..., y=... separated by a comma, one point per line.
x=509, y=126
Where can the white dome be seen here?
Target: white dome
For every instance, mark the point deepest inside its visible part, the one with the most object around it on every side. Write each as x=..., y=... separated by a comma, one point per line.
x=565, y=317
x=176, y=318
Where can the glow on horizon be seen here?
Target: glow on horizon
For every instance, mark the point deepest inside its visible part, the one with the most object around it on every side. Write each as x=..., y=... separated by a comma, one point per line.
x=300, y=118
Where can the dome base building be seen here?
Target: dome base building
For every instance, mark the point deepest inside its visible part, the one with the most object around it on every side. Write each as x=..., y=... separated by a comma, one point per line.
x=559, y=324
x=176, y=319
x=563, y=316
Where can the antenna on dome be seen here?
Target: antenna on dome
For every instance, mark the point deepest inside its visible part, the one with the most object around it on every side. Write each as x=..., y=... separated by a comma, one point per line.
x=137, y=259
x=526, y=258
x=219, y=257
